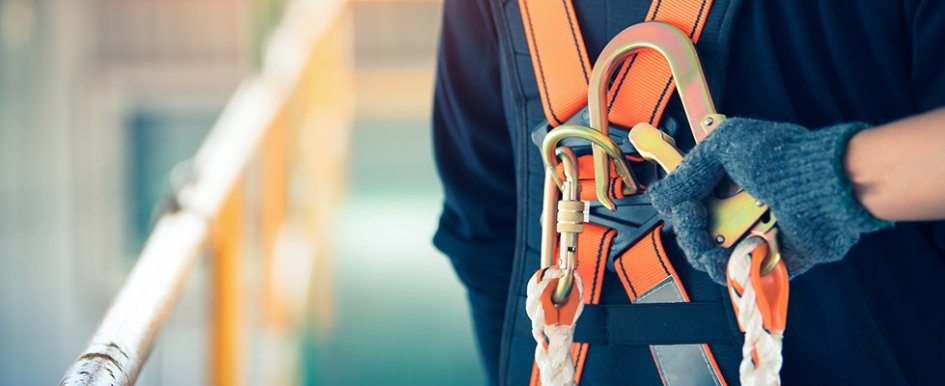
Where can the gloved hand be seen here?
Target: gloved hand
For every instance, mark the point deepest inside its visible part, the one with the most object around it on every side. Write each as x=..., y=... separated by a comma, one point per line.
x=797, y=172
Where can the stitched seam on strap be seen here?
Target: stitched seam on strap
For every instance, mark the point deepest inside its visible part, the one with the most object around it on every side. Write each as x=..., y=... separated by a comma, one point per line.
x=626, y=277
x=597, y=266
x=703, y=349
x=620, y=83
x=600, y=248
x=660, y=101
x=577, y=46
x=613, y=186
x=695, y=25
x=658, y=254
x=659, y=361
x=580, y=356
x=656, y=11
x=709, y=368
x=541, y=70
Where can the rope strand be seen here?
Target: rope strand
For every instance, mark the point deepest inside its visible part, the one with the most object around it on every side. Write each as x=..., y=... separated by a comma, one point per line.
x=760, y=344
x=553, y=342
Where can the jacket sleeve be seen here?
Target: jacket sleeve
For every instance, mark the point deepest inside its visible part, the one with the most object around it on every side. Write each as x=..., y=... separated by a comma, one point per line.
x=928, y=54
x=474, y=156
x=927, y=27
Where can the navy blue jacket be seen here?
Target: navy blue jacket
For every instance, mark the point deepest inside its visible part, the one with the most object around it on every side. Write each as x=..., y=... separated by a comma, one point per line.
x=877, y=317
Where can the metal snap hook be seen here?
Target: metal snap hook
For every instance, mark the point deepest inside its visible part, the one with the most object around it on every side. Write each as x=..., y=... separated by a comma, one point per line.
x=680, y=55
x=729, y=218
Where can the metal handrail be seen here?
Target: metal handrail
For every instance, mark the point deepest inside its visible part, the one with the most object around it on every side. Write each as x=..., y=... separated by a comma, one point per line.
x=120, y=346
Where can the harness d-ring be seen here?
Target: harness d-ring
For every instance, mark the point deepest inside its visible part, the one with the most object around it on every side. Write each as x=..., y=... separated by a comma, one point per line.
x=600, y=140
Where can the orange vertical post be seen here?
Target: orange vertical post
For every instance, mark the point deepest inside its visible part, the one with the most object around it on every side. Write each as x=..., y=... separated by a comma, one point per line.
x=273, y=187
x=226, y=328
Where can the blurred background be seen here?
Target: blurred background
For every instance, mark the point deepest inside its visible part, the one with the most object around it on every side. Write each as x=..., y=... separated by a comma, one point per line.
x=324, y=273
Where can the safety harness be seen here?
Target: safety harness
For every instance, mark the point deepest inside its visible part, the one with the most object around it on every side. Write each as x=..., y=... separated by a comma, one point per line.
x=623, y=232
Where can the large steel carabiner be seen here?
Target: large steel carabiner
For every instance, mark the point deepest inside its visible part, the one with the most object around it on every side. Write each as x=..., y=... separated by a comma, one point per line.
x=683, y=61
x=681, y=56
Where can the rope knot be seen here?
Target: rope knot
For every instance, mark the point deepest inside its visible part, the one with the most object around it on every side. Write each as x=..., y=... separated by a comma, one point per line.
x=760, y=302
x=553, y=325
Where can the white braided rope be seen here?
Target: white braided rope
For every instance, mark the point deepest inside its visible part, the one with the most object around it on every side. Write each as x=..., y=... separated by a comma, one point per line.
x=554, y=362
x=758, y=341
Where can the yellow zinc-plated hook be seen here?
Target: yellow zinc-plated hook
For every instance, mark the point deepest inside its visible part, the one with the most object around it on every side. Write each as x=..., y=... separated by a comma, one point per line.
x=599, y=139
x=684, y=63
x=729, y=218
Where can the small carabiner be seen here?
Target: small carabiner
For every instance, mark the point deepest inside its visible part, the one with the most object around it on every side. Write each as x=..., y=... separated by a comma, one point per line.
x=564, y=217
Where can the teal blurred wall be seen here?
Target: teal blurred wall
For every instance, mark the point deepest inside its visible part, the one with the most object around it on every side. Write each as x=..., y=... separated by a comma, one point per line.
x=401, y=314
x=98, y=101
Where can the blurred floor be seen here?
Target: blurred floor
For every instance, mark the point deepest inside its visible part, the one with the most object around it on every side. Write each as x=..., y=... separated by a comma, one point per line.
x=402, y=316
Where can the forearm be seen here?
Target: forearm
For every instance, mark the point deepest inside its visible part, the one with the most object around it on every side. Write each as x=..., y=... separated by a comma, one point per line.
x=898, y=170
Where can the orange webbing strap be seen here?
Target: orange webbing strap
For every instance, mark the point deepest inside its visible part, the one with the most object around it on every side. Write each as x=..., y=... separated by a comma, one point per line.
x=593, y=247
x=642, y=88
x=644, y=265
x=648, y=277
x=640, y=92
x=558, y=56
x=587, y=182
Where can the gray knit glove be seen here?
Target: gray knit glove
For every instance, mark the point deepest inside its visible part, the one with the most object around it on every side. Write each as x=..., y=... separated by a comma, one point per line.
x=797, y=172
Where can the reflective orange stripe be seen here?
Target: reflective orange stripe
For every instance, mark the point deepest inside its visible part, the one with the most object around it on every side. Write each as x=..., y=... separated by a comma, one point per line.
x=562, y=69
